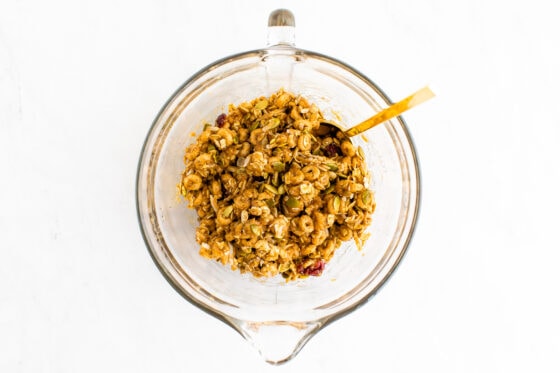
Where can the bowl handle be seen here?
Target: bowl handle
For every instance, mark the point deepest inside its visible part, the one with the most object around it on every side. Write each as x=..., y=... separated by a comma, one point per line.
x=281, y=28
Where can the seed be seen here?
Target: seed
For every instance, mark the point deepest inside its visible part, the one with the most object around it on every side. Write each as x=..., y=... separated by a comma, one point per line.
x=336, y=203
x=332, y=166
x=261, y=105
x=366, y=197
x=278, y=166
x=292, y=203
x=270, y=203
x=275, y=179
x=273, y=123
x=227, y=211
x=254, y=126
x=255, y=229
x=281, y=189
x=270, y=188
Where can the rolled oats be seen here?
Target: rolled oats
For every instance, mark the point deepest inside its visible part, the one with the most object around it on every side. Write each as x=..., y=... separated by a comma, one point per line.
x=273, y=195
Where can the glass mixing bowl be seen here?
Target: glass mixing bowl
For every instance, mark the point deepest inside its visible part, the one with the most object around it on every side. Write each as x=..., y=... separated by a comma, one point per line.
x=278, y=318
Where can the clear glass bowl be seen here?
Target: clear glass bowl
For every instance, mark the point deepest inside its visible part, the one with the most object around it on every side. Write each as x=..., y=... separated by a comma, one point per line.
x=275, y=316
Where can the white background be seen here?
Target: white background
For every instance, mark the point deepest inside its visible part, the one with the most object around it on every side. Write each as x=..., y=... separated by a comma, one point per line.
x=80, y=83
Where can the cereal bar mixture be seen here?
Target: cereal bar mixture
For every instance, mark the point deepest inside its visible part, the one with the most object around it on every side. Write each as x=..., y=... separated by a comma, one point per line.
x=273, y=195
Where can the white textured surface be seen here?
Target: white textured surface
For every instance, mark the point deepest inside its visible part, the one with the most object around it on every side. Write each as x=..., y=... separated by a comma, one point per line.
x=80, y=83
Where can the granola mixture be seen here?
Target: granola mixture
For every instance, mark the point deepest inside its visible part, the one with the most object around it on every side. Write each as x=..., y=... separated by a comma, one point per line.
x=273, y=196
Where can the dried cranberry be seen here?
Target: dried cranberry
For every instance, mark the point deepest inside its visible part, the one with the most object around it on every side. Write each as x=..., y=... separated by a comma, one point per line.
x=332, y=150
x=313, y=270
x=221, y=120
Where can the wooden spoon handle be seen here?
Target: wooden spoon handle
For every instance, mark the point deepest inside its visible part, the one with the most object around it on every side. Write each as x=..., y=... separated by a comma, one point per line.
x=392, y=111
